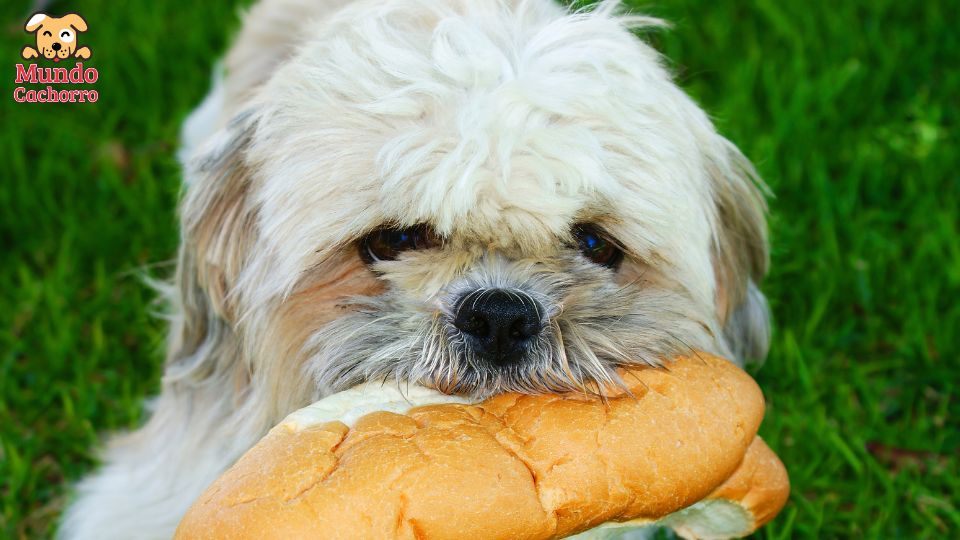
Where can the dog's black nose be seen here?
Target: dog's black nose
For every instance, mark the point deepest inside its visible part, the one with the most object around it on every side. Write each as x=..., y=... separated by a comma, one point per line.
x=55, y=46
x=498, y=324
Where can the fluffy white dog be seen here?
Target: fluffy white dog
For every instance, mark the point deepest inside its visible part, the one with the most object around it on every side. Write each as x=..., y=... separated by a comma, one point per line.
x=477, y=195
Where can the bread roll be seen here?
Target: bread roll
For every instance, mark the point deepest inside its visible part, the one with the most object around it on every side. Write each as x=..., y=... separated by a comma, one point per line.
x=386, y=461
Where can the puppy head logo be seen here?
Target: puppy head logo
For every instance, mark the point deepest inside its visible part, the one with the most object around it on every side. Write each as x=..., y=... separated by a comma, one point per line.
x=56, y=38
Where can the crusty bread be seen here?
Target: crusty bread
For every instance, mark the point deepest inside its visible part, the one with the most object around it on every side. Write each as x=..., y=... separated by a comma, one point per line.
x=752, y=496
x=514, y=466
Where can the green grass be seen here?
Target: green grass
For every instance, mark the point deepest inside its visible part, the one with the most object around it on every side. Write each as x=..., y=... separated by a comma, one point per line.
x=849, y=110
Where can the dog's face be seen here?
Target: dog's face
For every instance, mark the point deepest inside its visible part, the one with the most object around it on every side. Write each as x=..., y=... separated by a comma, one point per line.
x=478, y=199
x=56, y=38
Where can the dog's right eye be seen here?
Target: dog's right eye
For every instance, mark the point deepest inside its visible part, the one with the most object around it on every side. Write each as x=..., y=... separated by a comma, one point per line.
x=47, y=33
x=387, y=244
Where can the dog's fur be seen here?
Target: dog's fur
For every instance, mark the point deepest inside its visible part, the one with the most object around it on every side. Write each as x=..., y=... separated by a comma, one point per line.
x=60, y=31
x=501, y=124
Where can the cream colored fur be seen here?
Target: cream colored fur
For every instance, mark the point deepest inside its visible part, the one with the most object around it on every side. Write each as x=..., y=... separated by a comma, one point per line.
x=499, y=123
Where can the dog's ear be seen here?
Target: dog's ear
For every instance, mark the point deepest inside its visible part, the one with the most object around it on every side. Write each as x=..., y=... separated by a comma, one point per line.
x=75, y=21
x=741, y=253
x=218, y=222
x=218, y=227
x=35, y=22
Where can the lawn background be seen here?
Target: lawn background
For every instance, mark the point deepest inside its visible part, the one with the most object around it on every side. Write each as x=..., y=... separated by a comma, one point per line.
x=849, y=110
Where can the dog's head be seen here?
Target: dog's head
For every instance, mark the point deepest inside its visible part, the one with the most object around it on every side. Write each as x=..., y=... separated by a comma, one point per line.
x=56, y=37
x=479, y=198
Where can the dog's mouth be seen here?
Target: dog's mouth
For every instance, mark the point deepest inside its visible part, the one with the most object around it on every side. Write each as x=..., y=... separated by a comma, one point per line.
x=56, y=56
x=578, y=350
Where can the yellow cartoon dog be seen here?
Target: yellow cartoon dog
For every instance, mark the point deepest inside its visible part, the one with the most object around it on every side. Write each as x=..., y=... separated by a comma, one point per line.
x=56, y=38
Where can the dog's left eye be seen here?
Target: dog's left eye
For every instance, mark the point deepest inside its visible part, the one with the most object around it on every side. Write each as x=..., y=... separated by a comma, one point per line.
x=387, y=244
x=596, y=246
x=64, y=34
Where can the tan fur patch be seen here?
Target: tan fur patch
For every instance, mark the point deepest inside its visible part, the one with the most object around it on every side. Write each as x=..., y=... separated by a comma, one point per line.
x=317, y=302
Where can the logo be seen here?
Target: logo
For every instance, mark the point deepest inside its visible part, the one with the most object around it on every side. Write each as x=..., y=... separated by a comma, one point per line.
x=56, y=39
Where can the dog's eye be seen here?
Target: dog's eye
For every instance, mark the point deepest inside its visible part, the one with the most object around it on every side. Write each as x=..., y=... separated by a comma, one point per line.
x=387, y=244
x=64, y=34
x=47, y=33
x=596, y=246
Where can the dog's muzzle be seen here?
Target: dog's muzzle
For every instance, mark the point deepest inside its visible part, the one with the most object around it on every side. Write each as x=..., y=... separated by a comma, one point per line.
x=498, y=325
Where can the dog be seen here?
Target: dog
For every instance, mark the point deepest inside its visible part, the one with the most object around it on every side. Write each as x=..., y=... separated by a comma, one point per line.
x=56, y=38
x=474, y=195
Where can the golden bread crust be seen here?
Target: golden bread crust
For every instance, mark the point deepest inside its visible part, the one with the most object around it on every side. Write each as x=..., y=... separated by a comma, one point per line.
x=514, y=466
